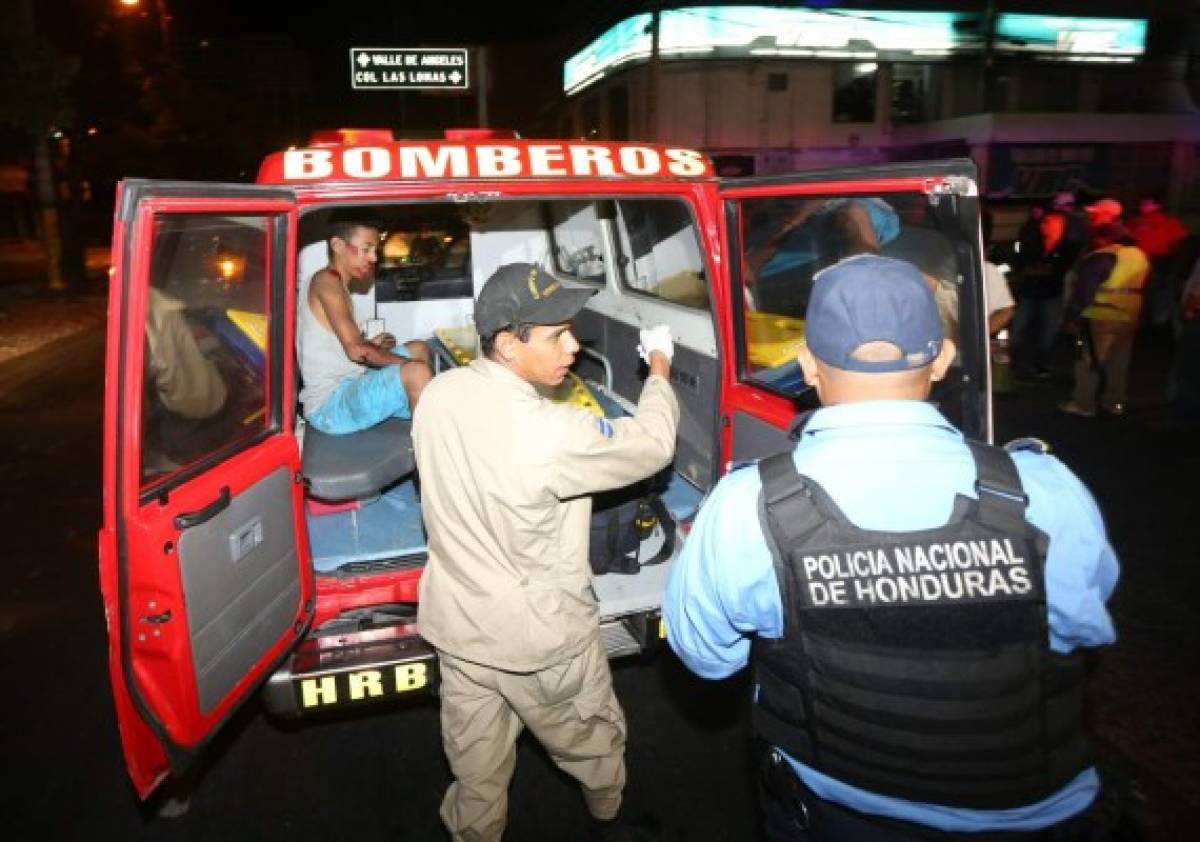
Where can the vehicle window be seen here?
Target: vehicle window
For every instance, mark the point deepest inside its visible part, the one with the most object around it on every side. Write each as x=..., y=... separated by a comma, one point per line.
x=578, y=250
x=659, y=251
x=426, y=254
x=206, y=339
x=786, y=241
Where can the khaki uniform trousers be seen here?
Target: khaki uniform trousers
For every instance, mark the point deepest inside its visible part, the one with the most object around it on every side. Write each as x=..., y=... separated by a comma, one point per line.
x=1105, y=358
x=570, y=708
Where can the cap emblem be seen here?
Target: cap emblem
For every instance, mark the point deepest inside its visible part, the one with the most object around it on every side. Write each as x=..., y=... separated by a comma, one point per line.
x=537, y=294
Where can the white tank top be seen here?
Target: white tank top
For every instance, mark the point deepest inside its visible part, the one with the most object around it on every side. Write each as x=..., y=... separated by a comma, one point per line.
x=323, y=361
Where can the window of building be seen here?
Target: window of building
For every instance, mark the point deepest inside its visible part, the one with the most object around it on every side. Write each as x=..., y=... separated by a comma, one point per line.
x=618, y=113
x=1049, y=88
x=854, y=92
x=566, y=125
x=733, y=166
x=590, y=115
x=908, y=93
x=777, y=81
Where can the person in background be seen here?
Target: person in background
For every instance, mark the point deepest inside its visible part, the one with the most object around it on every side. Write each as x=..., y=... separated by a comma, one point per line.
x=425, y=247
x=1103, y=312
x=1105, y=211
x=1159, y=235
x=1183, y=383
x=912, y=680
x=1037, y=322
x=1078, y=231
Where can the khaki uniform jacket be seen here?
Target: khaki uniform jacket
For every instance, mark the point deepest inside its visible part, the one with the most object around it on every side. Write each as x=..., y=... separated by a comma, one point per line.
x=505, y=475
x=186, y=382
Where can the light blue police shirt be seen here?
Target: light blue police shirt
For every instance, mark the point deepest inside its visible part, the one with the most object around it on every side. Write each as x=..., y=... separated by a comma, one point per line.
x=723, y=590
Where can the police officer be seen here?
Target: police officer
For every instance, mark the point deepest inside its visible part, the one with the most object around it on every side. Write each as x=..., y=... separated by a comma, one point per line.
x=912, y=602
x=506, y=596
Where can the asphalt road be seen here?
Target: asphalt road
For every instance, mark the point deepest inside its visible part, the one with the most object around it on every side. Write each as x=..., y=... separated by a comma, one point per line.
x=381, y=776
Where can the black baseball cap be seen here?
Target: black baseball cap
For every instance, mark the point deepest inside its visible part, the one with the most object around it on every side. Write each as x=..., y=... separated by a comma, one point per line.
x=523, y=293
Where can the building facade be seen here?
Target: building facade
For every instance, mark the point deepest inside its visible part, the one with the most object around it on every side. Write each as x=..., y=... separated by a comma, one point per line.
x=1040, y=103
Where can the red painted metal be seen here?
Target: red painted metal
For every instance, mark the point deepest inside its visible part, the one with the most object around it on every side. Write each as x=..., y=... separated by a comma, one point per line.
x=350, y=165
x=152, y=671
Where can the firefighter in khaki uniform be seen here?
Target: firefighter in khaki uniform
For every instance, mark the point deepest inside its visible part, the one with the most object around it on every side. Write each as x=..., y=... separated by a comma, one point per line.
x=506, y=597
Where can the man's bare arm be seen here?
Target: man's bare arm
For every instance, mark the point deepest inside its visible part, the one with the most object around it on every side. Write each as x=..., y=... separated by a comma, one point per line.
x=335, y=304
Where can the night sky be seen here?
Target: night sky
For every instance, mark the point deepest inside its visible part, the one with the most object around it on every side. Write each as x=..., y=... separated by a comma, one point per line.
x=529, y=40
x=120, y=70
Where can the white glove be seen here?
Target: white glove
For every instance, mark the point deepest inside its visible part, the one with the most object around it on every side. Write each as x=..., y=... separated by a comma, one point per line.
x=657, y=338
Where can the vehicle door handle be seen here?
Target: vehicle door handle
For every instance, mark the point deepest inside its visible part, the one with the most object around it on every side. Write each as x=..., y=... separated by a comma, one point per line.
x=190, y=519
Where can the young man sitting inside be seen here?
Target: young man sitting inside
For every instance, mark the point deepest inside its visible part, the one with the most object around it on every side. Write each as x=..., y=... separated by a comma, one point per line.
x=352, y=382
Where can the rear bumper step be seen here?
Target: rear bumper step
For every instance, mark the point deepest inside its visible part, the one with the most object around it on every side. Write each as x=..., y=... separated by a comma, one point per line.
x=348, y=670
x=341, y=671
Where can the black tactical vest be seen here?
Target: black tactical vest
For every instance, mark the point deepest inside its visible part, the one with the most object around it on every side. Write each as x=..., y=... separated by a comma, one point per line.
x=917, y=664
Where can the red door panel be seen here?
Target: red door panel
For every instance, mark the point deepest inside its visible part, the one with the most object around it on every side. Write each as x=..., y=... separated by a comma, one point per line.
x=204, y=565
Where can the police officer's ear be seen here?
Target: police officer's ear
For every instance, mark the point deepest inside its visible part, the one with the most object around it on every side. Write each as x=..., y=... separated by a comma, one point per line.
x=941, y=363
x=808, y=365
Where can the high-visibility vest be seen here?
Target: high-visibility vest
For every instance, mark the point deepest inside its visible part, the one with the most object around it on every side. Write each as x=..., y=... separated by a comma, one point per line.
x=1119, y=298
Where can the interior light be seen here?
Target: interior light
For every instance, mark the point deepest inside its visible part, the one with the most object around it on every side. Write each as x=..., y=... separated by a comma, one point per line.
x=865, y=67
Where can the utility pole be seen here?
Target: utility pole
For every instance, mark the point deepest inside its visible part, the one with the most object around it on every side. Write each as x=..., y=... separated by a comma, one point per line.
x=43, y=171
x=652, y=85
x=986, y=87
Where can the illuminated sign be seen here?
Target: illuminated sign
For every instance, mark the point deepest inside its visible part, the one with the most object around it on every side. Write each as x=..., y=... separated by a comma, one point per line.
x=628, y=41
x=408, y=68
x=761, y=31
x=1104, y=39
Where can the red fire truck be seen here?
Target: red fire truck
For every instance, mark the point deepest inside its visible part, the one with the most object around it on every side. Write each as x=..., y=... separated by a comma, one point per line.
x=242, y=554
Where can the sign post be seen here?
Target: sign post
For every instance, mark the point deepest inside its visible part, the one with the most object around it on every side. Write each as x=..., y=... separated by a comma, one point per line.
x=409, y=69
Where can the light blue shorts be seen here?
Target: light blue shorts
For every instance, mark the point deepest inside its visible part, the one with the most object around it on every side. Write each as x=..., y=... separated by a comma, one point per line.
x=364, y=401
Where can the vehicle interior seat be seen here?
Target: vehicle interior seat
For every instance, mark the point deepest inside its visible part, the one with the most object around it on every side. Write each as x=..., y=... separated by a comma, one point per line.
x=357, y=466
x=360, y=465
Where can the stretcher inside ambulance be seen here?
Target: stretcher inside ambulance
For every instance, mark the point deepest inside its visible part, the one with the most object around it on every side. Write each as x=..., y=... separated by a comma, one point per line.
x=243, y=553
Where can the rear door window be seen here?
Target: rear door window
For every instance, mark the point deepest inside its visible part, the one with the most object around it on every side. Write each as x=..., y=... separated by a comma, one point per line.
x=788, y=240
x=206, y=335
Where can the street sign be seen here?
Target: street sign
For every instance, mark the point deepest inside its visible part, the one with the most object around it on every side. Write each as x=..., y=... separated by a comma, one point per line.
x=408, y=68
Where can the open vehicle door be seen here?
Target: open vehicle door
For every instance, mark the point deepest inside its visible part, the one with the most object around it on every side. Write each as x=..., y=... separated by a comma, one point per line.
x=204, y=563
x=780, y=231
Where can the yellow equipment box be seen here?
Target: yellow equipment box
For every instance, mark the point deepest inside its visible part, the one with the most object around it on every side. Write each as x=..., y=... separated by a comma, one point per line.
x=773, y=340
x=463, y=344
